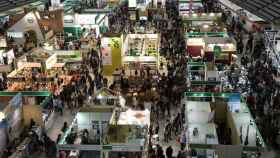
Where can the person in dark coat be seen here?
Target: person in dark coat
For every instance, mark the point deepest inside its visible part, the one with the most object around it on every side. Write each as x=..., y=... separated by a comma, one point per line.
x=169, y=152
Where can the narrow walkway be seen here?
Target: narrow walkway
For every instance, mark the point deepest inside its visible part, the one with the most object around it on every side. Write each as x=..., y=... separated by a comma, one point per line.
x=55, y=125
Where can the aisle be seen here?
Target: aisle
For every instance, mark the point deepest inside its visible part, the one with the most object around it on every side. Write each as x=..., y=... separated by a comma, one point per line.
x=173, y=143
x=55, y=127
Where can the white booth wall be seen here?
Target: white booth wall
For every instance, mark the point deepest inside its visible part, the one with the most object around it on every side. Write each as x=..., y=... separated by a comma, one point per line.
x=28, y=22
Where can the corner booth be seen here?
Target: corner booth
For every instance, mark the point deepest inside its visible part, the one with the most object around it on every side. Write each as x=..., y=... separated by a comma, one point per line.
x=106, y=131
x=128, y=134
x=190, y=6
x=220, y=124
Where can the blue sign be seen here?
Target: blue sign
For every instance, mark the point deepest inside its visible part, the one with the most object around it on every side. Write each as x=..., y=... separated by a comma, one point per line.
x=16, y=101
x=4, y=124
x=234, y=98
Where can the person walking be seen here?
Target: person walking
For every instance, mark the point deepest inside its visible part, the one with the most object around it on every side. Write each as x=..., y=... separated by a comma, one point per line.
x=169, y=152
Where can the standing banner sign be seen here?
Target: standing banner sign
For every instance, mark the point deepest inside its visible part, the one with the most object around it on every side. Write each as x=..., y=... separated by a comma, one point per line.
x=106, y=56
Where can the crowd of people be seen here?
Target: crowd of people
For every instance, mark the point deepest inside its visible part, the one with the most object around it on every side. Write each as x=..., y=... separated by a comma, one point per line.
x=262, y=85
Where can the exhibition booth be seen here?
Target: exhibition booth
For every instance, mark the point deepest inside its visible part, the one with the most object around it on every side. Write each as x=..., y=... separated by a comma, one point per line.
x=211, y=47
x=107, y=131
x=190, y=6
x=129, y=128
x=39, y=71
x=87, y=25
x=17, y=109
x=220, y=49
x=203, y=79
x=219, y=124
x=197, y=19
x=141, y=50
x=18, y=114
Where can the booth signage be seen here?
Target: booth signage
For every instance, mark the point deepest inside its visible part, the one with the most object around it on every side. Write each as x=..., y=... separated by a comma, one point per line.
x=217, y=50
x=51, y=61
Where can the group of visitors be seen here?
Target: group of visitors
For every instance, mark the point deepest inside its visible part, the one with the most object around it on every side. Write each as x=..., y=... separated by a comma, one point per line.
x=262, y=92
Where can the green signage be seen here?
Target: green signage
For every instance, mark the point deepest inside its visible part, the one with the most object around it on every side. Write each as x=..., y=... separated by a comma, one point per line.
x=217, y=51
x=107, y=147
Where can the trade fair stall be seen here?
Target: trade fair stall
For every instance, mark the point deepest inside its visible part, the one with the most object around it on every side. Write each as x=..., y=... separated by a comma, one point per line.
x=129, y=128
x=233, y=130
x=42, y=72
x=220, y=49
x=115, y=132
x=190, y=6
x=197, y=19
x=202, y=79
x=211, y=46
x=106, y=96
x=17, y=115
x=141, y=50
x=195, y=30
x=85, y=26
x=201, y=129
